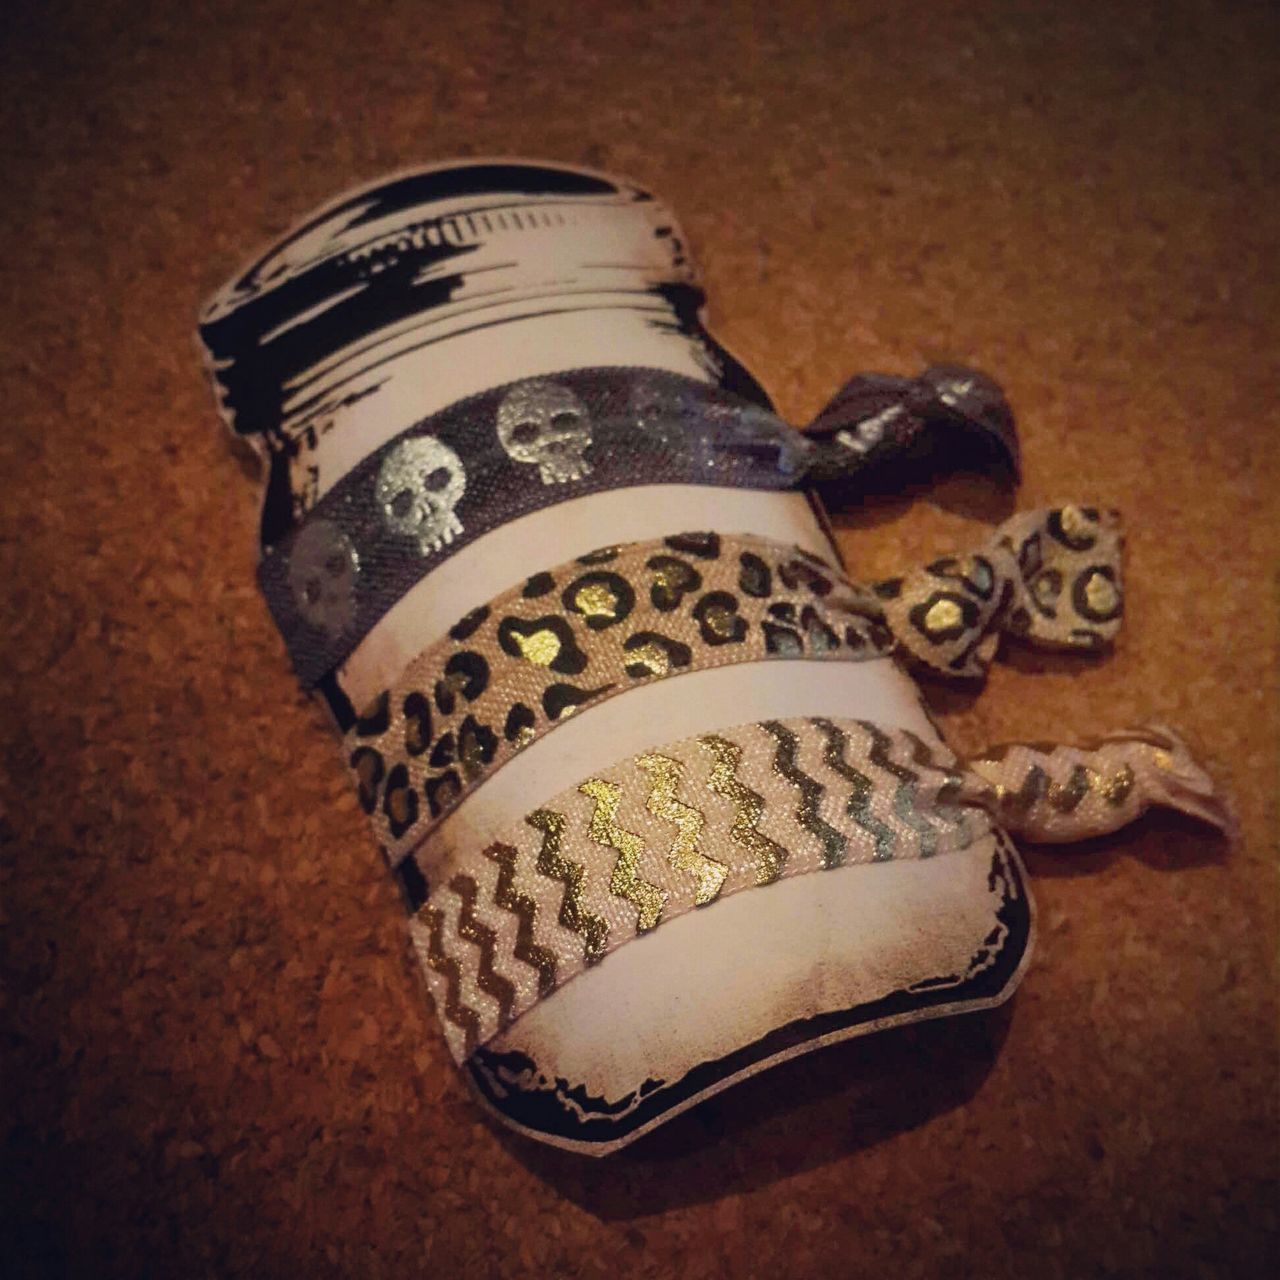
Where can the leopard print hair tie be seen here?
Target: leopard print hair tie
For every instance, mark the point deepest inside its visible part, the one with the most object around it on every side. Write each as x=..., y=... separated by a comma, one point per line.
x=1051, y=578
x=512, y=670
x=680, y=827
x=572, y=636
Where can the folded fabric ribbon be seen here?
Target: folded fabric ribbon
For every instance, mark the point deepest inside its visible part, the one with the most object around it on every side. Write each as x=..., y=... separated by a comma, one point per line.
x=529, y=445
x=575, y=635
x=1050, y=577
x=881, y=418
x=647, y=839
x=1058, y=794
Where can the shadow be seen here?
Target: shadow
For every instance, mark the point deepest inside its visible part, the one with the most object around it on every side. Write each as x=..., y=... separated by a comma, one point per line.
x=1064, y=662
x=944, y=697
x=1161, y=839
x=799, y=1115
x=249, y=462
x=976, y=495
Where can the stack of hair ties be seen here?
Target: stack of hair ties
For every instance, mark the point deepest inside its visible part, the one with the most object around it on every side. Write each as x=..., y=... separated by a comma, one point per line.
x=512, y=669
x=366, y=567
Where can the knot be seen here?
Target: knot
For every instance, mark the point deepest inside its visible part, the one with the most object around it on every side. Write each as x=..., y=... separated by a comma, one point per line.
x=1058, y=794
x=1051, y=578
x=878, y=418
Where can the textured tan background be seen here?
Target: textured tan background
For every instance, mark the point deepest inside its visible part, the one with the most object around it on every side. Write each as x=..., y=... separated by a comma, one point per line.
x=217, y=1059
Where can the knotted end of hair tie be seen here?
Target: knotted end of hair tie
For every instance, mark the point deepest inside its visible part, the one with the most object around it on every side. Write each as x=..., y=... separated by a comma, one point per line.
x=877, y=419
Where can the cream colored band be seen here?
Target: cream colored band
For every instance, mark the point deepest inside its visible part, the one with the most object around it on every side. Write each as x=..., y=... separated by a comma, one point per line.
x=646, y=840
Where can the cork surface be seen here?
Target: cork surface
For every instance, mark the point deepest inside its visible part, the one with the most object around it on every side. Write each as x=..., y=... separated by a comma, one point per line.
x=217, y=1057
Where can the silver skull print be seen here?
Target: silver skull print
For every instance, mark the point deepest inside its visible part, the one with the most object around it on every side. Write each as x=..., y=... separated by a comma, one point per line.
x=544, y=423
x=419, y=487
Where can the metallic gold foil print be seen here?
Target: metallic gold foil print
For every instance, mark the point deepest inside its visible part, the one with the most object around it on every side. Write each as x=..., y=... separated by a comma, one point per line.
x=770, y=857
x=596, y=600
x=664, y=777
x=484, y=939
x=943, y=615
x=720, y=621
x=573, y=913
x=541, y=647
x=477, y=744
x=477, y=958
x=1115, y=790
x=672, y=580
x=1075, y=524
x=541, y=959
x=1067, y=796
x=701, y=608
x=626, y=880
x=651, y=658
x=451, y=1009
x=532, y=659
x=1101, y=595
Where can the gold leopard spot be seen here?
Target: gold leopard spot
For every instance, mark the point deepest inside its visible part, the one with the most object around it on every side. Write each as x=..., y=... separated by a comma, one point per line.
x=652, y=658
x=602, y=598
x=943, y=615
x=541, y=647
x=673, y=579
x=1115, y=790
x=1074, y=522
x=596, y=600
x=1101, y=594
x=719, y=620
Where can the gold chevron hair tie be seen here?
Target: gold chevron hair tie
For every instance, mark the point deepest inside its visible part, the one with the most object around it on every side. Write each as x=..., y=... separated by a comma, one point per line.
x=1058, y=794
x=680, y=827
x=572, y=636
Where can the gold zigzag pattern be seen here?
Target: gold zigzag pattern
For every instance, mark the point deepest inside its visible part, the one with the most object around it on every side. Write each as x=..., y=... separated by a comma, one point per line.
x=1147, y=737
x=664, y=775
x=488, y=979
x=573, y=913
x=461, y=1015
x=523, y=907
x=858, y=806
x=1066, y=796
x=1019, y=800
x=723, y=780
x=626, y=880
x=834, y=843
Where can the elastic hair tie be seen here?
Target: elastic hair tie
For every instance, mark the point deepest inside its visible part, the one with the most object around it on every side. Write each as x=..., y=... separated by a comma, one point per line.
x=523, y=447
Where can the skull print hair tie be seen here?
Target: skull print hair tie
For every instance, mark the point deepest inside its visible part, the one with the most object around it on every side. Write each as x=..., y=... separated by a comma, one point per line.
x=687, y=824
x=500, y=455
x=570, y=637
